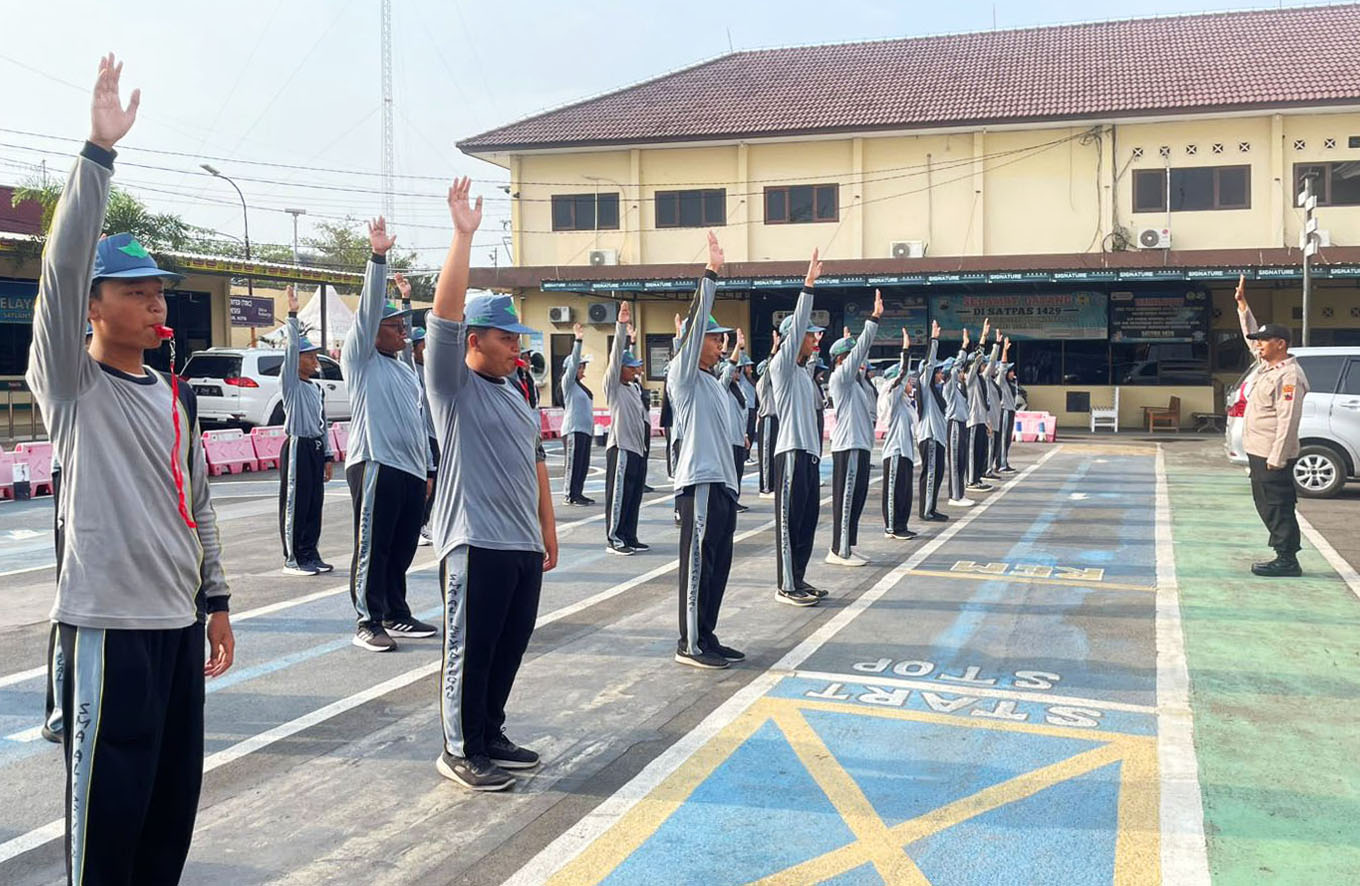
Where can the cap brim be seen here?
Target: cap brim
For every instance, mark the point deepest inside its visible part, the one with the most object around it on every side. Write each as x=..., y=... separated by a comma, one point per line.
x=395, y=314
x=633, y=364
x=141, y=274
x=816, y=329
x=312, y=350
x=1263, y=336
x=517, y=328
x=719, y=330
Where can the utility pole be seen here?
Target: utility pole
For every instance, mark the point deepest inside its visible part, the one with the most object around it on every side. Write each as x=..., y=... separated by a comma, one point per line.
x=1309, y=241
x=297, y=259
x=389, y=154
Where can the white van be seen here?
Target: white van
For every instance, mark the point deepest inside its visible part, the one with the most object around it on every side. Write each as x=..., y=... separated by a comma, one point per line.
x=240, y=386
x=1329, y=434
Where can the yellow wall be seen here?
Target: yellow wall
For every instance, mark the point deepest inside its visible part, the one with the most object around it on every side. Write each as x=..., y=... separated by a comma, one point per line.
x=965, y=193
x=1053, y=398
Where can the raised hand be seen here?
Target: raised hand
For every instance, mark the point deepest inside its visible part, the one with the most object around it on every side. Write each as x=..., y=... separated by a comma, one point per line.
x=845, y=330
x=626, y=313
x=109, y=120
x=814, y=270
x=292, y=299
x=579, y=331
x=741, y=339
x=378, y=238
x=986, y=330
x=998, y=336
x=403, y=285
x=906, y=340
x=679, y=325
x=632, y=332
x=934, y=328
x=966, y=340
x=878, y=304
x=1241, y=294
x=466, y=217
x=774, y=340
x=715, y=253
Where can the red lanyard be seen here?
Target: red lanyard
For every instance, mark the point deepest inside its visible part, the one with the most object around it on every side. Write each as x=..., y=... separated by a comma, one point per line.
x=176, y=471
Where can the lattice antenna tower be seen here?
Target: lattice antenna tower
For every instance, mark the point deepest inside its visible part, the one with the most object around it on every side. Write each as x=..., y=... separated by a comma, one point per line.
x=389, y=150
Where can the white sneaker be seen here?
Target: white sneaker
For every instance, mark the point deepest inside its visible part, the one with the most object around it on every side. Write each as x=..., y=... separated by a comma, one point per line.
x=854, y=559
x=767, y=495
x=962, y=502
x=424, y=541
x=299, y=570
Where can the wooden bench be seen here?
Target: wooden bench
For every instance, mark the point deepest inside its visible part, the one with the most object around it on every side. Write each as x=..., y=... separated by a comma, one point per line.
x=1166, y=418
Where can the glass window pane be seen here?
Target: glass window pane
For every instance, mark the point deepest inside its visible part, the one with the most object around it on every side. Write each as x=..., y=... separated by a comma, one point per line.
x=1345, y=184
x=1149, y=190
x=1234, y=186
x=800, y=203
x=666, y=209
x=561, y=213
x=1319, y=173
x=691, y=209
x=1351, y=383
x=585, y=212
x=776, y=205
x=826, y=202
x=609, y=210
x=1086, y=363
x=1192, y=189
x=1323, y=372
x=715, y=207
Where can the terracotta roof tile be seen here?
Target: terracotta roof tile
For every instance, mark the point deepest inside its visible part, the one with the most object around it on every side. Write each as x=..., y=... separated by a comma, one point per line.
x=1266, y=58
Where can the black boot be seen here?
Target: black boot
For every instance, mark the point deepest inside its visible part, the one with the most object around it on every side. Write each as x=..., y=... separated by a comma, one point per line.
x=1284, y=565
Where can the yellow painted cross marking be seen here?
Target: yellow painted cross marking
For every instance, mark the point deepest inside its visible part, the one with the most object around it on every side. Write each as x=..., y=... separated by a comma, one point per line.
x=1137, y=838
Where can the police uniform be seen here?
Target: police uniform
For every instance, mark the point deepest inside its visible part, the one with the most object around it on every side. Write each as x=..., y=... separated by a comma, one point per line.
x=1270, y=437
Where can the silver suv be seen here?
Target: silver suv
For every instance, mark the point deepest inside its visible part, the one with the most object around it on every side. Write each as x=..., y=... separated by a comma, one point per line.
x=240, y=386
x=1329, y=434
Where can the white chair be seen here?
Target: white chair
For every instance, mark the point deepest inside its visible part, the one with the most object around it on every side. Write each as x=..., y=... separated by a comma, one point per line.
x=1106, y=417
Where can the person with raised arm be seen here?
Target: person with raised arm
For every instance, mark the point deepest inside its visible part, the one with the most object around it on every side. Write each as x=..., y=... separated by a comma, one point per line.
x=388, y=465
x=414, y=355
x=494, y=528
x=578, y=422
x=797, y=479
x=932, y=434
x=852, y=441
x=705, y=477
x=730, y=376
x=1005, y=379
x=979, y=436
x=141, y=566
x=306, y=461
x=955, y=392
x=767, y=421
x=899, y=412
x=626, y=449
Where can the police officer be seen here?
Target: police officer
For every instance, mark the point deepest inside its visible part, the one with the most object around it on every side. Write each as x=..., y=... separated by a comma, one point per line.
x=1271, y=436
x=578, y=423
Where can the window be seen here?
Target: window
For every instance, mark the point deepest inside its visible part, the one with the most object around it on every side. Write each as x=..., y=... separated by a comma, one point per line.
x=585, y=212
x=1335, y=184
x=1193, y=189
x=1351, y=383
x=691, y=209
x=330, y=370
x=802, y=204
x=212, y=366
x=1323, y=372
x=1086, y=363
x=269, y=364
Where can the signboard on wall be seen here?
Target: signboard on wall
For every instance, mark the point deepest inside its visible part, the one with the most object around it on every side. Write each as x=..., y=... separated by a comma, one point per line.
x=252, y=311
x=17, y=298
x=1070, y=316
x=1159, y=317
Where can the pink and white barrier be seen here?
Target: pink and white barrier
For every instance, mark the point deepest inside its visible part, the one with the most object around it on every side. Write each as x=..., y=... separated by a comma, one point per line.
x=229, y=452
x=268, y=443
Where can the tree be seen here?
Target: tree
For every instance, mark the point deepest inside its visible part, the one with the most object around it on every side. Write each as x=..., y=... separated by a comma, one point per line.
x=344, y=244
x=155, y=230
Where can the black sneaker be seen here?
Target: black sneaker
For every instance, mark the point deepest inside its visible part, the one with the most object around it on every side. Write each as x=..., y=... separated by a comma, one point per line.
x=741, y=508
x=52, y=735
x=702, y=659
x=648, y=489
x=806, y=588
x=321, y=566
x=621, y=550
x=508, y=755
x=477, y=773
x=373, y=638
x=981, y=487
x=1008, y=470
x=797, y=598
x=904, y=535
x=410, y=627
x=935, y=517
x=1283, y=566
x=638, y=546
x=992, y=475
x=728, y=653
x=587, y=502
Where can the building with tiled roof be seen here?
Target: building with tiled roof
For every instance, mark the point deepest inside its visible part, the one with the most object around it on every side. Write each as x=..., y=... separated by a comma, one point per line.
x=1121, y=165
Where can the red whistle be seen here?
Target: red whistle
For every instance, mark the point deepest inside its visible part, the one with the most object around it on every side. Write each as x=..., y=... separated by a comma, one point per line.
x=164, y=331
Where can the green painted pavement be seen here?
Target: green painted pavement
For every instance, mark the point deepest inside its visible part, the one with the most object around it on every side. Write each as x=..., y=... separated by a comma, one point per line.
x=1275, y=688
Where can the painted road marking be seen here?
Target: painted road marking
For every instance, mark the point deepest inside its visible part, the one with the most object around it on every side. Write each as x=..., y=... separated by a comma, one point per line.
x=981, y=691
x=1335, y=560
x=1024, y=579
x=599, y=820
x=1031, y=570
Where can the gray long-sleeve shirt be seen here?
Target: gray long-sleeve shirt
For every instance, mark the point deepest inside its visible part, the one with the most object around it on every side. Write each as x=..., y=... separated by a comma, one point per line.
x=898, y=414
x=490, y=441
x=764, y=395
x=796, y=396
x=978, y=395
x=1007, y=387
x=854, y=397
x=955, y=390
x=748, y=390
x=700, y=403
x=578, y=409
x=304, y=408
x=629, y=423
x=933, y=425
x=130, y=561
x=387, y=426
x=737, y=422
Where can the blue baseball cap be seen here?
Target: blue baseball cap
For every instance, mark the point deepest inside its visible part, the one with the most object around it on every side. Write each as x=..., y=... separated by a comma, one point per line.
x=121, y=257
x=417, y=334
x=892, y=371
x=947, y=365
x=305, y=346
x=390, y=310
x=843, y=346
x=494, y=311
x=631, y=361
x=712, y=327
x=786, y=327
x=745, y=360
x=821, y=364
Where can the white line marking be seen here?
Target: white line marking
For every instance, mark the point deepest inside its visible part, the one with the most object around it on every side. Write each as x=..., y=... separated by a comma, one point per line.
x=1184, y=855
x=32, y=734
x=51, y=565
x=1337, y=562
x=21, y=676
x=575, y=839
x=983, y=691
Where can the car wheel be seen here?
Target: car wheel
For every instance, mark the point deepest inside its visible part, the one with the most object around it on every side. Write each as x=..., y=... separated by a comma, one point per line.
x=276, y=417
x=1319, y=472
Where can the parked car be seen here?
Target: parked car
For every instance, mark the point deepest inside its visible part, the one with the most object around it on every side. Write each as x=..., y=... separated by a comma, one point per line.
x=1329, y=433
x=240, y=386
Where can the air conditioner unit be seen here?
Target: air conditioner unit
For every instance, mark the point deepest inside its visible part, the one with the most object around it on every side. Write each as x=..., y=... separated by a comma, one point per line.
x=560, y=314
x=604, y=257
x=603, y=312
x=907, y=249
x=1154, y=238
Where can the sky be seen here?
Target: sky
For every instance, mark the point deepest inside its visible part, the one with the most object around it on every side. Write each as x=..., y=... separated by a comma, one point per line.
x=284, y=96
